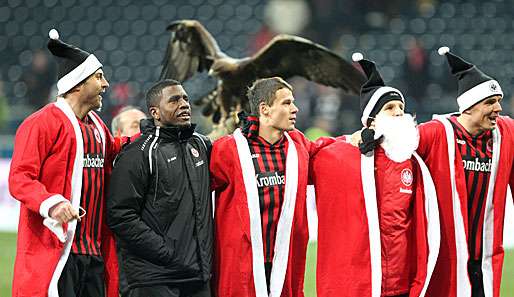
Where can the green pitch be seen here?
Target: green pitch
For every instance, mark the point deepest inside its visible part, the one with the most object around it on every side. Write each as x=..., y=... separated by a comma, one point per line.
x=507, y=288
x=8, y=251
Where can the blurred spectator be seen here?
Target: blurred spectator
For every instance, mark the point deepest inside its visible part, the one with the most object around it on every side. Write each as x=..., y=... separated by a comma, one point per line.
x=391, y=7
x=4, y=107
x=305, y=93
x=126, y=122
x=259, y=40
x=121, y=96
x=287, y=16
x=320, y=129
x=121, y=93
x=416, y=70
x=510, y=104
x=347, y=120
x=327, y=105
x=336, y=16
x=39, y=79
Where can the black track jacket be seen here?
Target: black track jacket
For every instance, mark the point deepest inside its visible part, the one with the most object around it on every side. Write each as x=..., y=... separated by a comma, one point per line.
x=159, y=206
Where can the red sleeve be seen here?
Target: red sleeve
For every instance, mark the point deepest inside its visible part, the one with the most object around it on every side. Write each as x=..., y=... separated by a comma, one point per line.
x=511, y=181
x=507, y=125
x=111, y=274
x=112, y=147
x=218, y=165
x=33, y=142
x=323, y=142
x=316, y=146
x=427, y=136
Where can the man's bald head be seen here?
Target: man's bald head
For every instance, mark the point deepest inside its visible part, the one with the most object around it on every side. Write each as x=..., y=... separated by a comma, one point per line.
x=126, y=122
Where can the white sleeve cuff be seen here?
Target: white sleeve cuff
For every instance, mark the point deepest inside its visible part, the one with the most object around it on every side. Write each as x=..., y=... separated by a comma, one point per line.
x=45, y=206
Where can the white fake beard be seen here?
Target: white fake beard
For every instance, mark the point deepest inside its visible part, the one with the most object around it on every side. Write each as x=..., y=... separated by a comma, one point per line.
x=401, y=137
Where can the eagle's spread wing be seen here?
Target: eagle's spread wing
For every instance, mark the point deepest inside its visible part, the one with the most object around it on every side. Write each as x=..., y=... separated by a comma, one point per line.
x=191, y=49
x=287, y=56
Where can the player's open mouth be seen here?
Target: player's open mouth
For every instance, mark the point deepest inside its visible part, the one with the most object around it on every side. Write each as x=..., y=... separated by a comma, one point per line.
x=185, y=115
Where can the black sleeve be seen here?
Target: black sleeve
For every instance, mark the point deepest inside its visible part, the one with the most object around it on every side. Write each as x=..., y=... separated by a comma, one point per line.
x=206, y=142
x=125, y=201
x=209, y=146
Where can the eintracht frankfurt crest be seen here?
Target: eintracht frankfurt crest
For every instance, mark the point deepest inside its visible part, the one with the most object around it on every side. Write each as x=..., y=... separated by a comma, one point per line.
x=493, y=86
x=407, y=177
x=195, y=152
x=97, y=136
x=489, y=145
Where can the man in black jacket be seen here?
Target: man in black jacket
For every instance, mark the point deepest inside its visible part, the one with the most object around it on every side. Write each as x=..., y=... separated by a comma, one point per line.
x=159, y=202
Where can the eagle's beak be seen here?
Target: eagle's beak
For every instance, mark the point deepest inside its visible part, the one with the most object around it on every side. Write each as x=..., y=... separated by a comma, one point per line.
x=211, y=72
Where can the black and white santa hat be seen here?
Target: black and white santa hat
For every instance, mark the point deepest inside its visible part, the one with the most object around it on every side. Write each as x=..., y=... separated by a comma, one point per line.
x=473, y=85
x=74, y=64
x=374, y=93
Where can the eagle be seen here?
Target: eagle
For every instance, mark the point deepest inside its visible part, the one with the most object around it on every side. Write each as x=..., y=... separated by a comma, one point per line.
x=192, y=49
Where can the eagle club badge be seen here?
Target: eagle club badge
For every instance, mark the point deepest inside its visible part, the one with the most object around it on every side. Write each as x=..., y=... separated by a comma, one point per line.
x=97, y=135
x=407, y=177
x=194, y=152
x=489, y=145
x=493, y=87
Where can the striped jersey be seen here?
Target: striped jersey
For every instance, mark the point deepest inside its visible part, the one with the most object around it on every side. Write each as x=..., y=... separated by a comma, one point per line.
x=476, y=152
x=269, y=161
x=88, y=232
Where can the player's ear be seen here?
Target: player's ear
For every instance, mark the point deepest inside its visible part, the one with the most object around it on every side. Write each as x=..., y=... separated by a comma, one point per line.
x=264, y=109
x=154, y=112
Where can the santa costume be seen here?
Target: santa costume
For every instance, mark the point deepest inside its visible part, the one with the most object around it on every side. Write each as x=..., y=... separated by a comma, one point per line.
x=378, y=221
x=440, y=147
x=239, y=256
x=47, y=168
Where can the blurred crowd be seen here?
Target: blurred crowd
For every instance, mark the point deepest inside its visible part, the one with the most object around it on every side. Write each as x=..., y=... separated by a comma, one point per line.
x=401, y=36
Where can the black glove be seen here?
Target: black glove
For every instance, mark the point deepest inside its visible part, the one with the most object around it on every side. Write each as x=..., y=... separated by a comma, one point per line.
x=368, y=143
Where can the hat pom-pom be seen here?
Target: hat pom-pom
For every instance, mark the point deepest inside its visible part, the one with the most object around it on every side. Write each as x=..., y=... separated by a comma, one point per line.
x=356, y=57
x=443, y=50
x=53, y=34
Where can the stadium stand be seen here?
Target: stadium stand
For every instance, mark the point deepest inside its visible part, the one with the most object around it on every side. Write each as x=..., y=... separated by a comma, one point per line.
x=130, y=37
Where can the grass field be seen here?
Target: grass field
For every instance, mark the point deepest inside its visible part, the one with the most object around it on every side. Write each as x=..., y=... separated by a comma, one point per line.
x=8, y=250
x=7, y=253
x=507, y=288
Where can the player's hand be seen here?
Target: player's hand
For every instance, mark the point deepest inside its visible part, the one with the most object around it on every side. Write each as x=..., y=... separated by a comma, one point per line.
x=356, y=138
x=63, y=212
